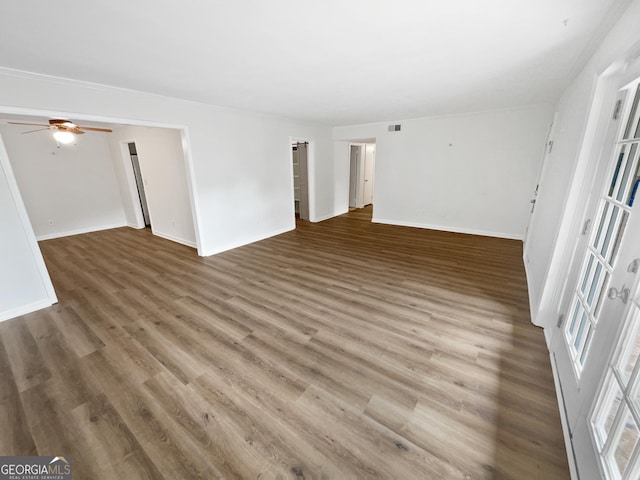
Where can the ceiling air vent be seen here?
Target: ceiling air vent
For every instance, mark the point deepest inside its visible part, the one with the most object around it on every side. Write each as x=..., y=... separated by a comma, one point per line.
x=394, y=128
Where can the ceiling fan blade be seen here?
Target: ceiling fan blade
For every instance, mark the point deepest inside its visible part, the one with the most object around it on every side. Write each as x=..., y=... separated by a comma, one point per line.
x=37, y=130
x=33, y=124
x=94, y=129
x=62, y=122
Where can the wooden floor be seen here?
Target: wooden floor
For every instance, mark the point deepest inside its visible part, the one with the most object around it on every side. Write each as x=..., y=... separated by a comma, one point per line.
x=344, y=349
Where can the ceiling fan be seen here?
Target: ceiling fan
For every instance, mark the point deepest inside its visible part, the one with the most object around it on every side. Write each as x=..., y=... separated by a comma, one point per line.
x=63, y=130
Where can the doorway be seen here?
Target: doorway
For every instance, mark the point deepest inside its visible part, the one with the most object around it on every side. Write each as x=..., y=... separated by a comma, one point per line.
x=361, y=174
x=300, y=156
x=135, y=163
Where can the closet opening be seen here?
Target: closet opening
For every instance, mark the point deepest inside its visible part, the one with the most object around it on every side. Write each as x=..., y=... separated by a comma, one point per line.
x=300, y=156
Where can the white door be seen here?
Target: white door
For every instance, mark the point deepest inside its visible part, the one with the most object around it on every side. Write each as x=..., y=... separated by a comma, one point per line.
x=369, y=169
x=354, y=174
x=614, y=422
x=534, y=198
x=595, y=309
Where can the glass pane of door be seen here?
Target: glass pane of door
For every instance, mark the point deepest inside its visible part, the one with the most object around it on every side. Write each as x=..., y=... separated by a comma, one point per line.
x=625, y=443
x=628, y=358
x=607, y=411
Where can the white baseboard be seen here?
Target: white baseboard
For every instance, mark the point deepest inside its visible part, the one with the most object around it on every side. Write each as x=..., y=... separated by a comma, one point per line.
x=207, y=253
x=533, y=311
x=327, y=217
x=468, y=231
x=23, y=310
x=166, y=236
x=80, y=231
x=573, y=469
x=548, y=337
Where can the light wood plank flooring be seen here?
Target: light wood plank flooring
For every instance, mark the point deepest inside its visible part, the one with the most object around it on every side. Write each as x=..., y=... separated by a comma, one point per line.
x=343, y=349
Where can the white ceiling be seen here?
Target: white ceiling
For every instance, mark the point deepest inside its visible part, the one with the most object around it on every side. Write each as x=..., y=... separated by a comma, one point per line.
x=332, y=61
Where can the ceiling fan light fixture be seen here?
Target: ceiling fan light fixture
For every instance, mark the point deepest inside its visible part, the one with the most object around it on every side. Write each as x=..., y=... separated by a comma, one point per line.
x=63, y=137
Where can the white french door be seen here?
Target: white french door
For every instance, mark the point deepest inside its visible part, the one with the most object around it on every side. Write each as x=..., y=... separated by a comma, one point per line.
x=615, y=419
x=601, y=302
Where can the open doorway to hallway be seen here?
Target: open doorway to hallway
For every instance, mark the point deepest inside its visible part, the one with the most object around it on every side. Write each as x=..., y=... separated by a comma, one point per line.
x=361, y=174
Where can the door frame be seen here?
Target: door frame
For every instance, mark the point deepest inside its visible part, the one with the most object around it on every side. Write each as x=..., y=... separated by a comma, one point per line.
x=361, y=142
x=359, y=181
x=365, y=164
x=311, y=187
x=354, y=167
x=548, y=148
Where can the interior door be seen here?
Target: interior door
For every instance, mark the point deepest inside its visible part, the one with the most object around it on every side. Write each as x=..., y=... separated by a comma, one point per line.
x=369, y=168
x=541, y=172
x=354, y=172
x=595, y=312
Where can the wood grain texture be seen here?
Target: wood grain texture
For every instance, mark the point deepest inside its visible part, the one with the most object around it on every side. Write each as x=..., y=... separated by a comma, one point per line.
x=343, y=349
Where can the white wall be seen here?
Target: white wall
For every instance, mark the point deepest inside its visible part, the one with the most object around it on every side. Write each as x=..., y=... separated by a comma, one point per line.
x=24, y=283
x=164, y=172
x=73, y=186
x=471, y=173
x=583, y=105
